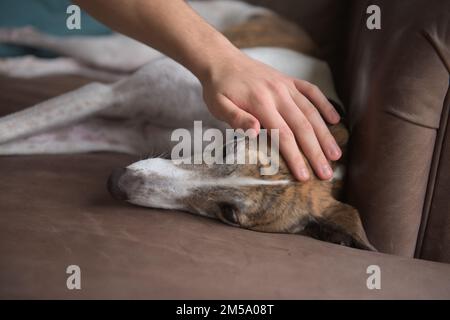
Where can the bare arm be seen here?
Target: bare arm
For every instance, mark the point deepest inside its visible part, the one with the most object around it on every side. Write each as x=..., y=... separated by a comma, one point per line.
x=237, y=89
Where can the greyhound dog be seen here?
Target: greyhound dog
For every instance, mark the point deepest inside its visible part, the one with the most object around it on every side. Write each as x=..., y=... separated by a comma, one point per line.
x=141, y=101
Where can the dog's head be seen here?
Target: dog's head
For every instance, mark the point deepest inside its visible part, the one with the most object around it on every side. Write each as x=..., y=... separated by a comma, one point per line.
x=239, y=195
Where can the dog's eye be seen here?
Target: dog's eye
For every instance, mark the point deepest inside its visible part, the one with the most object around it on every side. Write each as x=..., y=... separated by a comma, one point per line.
x=228, y=213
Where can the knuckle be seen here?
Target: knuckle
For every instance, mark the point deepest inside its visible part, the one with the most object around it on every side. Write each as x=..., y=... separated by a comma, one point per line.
x=233, y=118
x=298, y=82
x=310, y=111
x=261, y=98
x=297, y=158
x=311, y=89
x=304, y=125
x=316, y=156
x=276, y=87
x=329, y=139
x=285, y=133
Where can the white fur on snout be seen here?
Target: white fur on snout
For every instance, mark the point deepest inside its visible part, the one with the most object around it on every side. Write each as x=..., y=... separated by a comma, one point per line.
x=161, y=184
x=161, y=167
x=164, y=184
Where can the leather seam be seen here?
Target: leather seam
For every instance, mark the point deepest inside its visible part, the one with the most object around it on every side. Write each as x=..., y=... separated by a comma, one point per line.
x=403, y=118
x=432, y=177
x=429, y=38
x=355, y=48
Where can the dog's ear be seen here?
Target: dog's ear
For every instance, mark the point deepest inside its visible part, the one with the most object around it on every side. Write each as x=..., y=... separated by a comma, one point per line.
x=340, y=223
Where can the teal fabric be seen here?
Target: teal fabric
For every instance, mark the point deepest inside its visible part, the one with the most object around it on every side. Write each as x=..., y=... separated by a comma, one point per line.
x=48, y=16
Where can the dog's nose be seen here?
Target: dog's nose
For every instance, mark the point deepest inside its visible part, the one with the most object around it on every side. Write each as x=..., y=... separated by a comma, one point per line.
x=113, y=184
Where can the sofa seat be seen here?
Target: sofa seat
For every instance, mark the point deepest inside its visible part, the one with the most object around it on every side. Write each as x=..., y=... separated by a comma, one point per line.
x=55, y=211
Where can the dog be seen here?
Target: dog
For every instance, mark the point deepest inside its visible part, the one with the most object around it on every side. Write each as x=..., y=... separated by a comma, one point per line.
x=147, y=97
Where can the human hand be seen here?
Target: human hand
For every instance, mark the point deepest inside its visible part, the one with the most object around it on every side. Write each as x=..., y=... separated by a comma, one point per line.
x=248, y=94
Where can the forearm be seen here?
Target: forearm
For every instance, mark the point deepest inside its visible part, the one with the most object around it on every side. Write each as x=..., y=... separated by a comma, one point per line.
x=260, y=96
x=169, y=26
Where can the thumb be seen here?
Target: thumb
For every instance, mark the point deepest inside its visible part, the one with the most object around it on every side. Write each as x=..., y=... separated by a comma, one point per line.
x=236, y=117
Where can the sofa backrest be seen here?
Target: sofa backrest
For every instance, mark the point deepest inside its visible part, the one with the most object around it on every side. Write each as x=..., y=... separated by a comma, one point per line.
x=395, y=85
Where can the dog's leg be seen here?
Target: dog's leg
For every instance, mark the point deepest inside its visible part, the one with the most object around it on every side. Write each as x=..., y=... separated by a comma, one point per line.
x=161, y=92
x=32, y=67
x=164, y=92
x=158, y=141
x=90, y=135
x=56, y=112
x=113, y=52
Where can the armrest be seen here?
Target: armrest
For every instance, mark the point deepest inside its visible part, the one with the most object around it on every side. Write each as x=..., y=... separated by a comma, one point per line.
x=394, y=84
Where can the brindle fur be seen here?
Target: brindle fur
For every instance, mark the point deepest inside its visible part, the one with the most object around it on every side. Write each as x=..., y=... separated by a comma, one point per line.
x=271, y=30
x=308, y=208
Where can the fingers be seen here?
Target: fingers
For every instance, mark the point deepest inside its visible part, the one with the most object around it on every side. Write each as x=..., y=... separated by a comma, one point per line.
x=325, y=138
x=293, y=108
x=235, y=116
x=318, y=99
x=299, y=130
x=306, y=137
x=271, y=119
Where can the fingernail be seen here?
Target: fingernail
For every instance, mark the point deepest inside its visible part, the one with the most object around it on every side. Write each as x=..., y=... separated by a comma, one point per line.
x=304, y=174
x=334, y=151
x=338, y=116
x=326, y=171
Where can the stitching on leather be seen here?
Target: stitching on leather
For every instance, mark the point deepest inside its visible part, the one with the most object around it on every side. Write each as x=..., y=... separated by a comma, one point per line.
x=400, y=116
x=356, y=47
x=434, y=168
x=432, y=177
x=436, y=47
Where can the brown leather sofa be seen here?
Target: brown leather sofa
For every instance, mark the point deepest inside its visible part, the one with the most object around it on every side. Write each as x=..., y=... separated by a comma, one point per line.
x=55, y=210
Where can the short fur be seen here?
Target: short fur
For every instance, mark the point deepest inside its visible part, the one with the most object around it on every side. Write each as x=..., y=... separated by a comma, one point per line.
x=121, y=119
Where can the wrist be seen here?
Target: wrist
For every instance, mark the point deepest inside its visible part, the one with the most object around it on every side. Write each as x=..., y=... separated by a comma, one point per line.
x=219, y=54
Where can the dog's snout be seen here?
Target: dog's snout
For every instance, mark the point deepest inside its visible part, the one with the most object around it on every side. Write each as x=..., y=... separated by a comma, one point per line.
x=113, y=184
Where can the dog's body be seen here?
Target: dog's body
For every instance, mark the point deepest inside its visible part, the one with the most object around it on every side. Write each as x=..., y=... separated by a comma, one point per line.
x=138, y=112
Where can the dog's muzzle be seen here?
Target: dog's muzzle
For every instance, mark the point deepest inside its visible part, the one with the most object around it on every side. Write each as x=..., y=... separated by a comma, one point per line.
x=113, y=184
